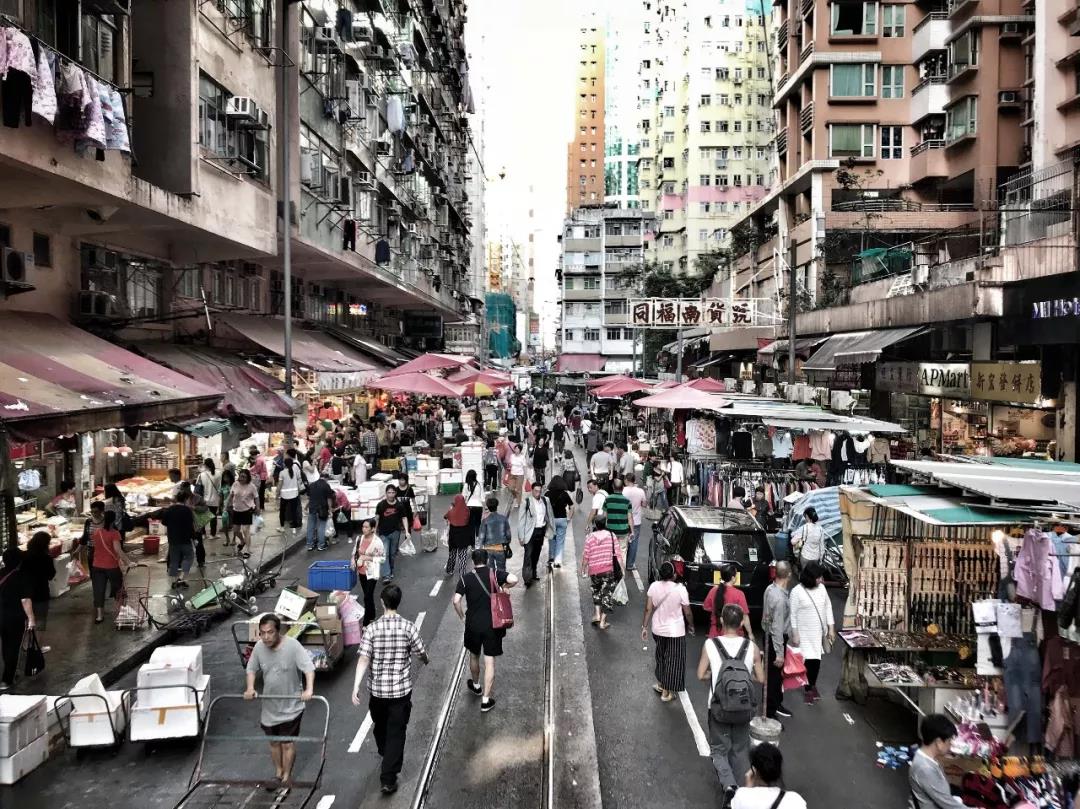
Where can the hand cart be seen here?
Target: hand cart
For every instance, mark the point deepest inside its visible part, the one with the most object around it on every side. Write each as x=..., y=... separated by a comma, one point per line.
x=326, y=652
x=164, y=712
x=131, y=601
x=95, y=720
x=179, y=619
x=210, y=790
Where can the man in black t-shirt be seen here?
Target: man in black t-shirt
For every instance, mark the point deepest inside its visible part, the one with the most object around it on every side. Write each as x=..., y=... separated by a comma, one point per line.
x=562, y=511
x=474, y=588
x=393, y=515
x=16, y=612
x=179, y=522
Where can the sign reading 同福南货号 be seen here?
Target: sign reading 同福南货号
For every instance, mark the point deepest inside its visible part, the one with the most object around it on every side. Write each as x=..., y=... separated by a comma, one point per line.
x=1006, y=381
x=684, y=313
x=948, y=379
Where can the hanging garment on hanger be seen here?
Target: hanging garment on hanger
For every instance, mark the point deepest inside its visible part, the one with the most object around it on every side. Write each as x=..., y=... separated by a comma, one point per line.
x=395, y=115
x=880, y=450
x=742, y=445
x=801, y=447
x=762, y=443
x=382, y=252
x=44, y=100
x=723, y=436
x=821, y=444
x=782, y=445
x=29, y=480
x=1037, y=575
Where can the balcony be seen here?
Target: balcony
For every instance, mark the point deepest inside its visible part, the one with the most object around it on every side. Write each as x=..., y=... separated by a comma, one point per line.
x=929, y=97
x=623, y=240
x=959, y=71
x=804, y=54
x=958, y=7
x=929, y=35
x=582, y=294
x=928, y=161
x=581, y=245
x=806, y=117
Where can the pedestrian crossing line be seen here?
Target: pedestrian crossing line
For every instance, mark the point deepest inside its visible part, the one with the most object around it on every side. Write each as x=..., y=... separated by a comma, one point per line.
x=637, y=578
x=326, y=801
x=700, y=740
x=366, y=725
x=435, y=590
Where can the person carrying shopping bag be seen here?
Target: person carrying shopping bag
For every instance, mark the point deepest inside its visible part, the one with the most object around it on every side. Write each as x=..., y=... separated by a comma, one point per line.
x=368, y=554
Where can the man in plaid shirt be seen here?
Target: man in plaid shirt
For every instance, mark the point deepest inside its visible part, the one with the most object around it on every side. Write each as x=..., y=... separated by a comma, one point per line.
x=387, y=647
x=369, y=444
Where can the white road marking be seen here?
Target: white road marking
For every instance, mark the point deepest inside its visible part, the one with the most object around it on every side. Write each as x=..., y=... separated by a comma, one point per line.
x=637, y=578
x=847, y=717
x=366, y=725
x=435, y=590
x=325, y=802
x=700, y=741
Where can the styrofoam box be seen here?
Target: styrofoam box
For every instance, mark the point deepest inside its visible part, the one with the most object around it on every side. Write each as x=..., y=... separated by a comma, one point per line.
x=58, y=585
x=189, y=657
x=12, y=768
x=178, y=721
x=370, y=490
x=450, y=476
x=427, y=464
x=22, y=720
x=381, y=477
x=59, y=711
x=427, y=482
x=91, y=728
x=153, y=681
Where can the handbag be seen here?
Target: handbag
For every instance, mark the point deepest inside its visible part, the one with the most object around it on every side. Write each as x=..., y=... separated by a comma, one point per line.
x=35, y=657
x=794, y=671
x=826, y=641
x=616, y=568
x=502, y=611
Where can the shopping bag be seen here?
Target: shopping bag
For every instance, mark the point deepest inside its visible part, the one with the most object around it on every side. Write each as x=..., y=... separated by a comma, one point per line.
x=416, y=525
x=406, y=548
x=331, y=531
x=444, y=537
x=429, y=541
x=620, y=595
x=502, y=611
x=794, y=669
x=257, y=523
x=76, y=573
x=35, y=658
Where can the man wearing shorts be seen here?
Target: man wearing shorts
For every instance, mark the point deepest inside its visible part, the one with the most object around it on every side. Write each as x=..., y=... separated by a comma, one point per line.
x=474, y=588
x=282, y=661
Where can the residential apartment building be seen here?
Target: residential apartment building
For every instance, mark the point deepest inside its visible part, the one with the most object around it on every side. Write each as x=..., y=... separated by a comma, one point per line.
x=602, y=251
x=585, y=154
x=181, y=209
x=622, y=57
x=705, y=124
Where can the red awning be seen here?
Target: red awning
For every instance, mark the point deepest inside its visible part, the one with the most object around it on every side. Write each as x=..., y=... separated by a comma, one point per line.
x=250, y=394
x=56, y=379
x=580, y=363
x=310, y=349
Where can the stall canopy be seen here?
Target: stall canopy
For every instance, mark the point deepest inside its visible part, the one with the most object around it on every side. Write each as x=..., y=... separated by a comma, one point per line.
x=431, y=362
x=803, y=346
x=620, y=387
x=682, y=398
x=385, y=355
x=1051, y=485
x=250, y=394
x=417, y=383
x=606, y=380
x=56, y=379
x=690, y=339
x=707, y=385
x=580, y=363
x=310, y=349
x=854, y=348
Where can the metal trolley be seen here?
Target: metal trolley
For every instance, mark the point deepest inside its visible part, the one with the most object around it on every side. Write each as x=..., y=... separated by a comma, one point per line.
x=333, y=651
x=210, y=791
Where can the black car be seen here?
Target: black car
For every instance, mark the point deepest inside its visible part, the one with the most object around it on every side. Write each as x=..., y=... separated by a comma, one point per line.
x=700, y=540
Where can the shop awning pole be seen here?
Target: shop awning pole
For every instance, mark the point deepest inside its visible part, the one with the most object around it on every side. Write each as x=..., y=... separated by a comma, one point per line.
x=678, y=361
x=286, y=182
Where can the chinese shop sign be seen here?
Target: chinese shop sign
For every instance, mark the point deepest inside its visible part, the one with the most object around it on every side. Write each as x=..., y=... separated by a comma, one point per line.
x=948, y=379
x=683, y=313
x=1006, y=381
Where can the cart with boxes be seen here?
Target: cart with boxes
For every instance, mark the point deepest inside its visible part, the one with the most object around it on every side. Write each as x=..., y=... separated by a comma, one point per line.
x=169, y=700
x=98, y=717
x=24, y=740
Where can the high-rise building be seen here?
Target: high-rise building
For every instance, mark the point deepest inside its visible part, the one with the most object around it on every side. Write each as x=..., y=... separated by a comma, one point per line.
x=705, y=123
x=622, y=57
x=585, y=154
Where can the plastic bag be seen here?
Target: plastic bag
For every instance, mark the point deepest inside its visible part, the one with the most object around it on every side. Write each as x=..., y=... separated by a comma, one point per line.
x=257, y=523
x=794, y=669
x=331, y=531
x=444, y=537
x=406, y=548
x=76, y=573
x=620, y=595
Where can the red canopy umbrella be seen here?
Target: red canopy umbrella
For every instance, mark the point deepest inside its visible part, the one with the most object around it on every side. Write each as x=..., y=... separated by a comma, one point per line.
x=621, y=387
x=666, y=384
x=430, y=362
x=606, y=380
x=707, y=384
x=464, y=376
x=420, y=384
x=682, y=398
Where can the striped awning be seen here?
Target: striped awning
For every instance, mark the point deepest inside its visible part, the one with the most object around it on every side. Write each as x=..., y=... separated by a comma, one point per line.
x=56, y=379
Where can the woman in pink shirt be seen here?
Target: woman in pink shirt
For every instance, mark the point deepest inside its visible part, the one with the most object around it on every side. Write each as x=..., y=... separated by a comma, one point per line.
x=598, y=563
x=668, y=603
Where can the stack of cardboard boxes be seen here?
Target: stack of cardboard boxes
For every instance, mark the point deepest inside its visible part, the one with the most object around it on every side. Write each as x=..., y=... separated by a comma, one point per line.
x=317, y=627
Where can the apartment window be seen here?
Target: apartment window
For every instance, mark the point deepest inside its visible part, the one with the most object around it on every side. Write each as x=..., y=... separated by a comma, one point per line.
x=738, y=74
x=669, y=137
x=669, y=162
x=853, y=81
x=761, y=70
x=760, y=179
x=854, y=18
x=738, y=152
x=668, y=214
x=668, y=266
x=592, y=282
x=703, y=208
x=614, y=334
x=892, y=21
x=704, y=179
x=738, y=99
x=892, y=81
x=961, y=119
x=721, y=126
x=737, y=126
x=568, y=282
x=964, y=51
x=892, y=142
x=669, y=188
x=703, y=235
x=762, y=100
x=737, y=178
x=724, y=99
x=592, y=335
x=722, y=180
x=851, y=140
x=189, y=282
x=706, y=126
x=722, y=73
x=42, y=250
x=705, y=100
x=98, y=36
x=669, y=112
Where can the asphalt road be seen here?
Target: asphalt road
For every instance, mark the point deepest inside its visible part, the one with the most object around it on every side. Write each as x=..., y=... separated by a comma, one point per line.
x=616, y=745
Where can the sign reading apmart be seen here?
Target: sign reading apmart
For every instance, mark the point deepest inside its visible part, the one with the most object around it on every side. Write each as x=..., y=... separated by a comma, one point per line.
x=681, y=313
x=1019, y=382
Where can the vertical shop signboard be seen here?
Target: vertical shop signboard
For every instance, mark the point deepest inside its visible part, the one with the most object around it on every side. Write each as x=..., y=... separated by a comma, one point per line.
x=1019, y=382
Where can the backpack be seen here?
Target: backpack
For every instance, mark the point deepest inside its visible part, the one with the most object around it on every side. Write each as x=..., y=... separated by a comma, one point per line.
x=733, y=699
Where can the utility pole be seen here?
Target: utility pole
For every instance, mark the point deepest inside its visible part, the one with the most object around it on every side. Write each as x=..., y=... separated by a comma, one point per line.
x=285, y=135
x=791, y=309
x=678, y=359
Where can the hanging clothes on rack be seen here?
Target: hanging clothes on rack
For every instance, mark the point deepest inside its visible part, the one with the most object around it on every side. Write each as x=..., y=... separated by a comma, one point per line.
x=742, y=444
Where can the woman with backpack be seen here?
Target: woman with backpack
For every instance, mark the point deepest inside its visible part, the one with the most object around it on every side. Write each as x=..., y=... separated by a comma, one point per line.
x=813, y=628
x=668, y=605
x=732, y=665
x=808, y=541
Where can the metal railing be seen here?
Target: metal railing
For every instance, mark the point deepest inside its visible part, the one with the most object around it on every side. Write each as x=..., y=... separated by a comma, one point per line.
x=806, y=117
x=926, y=82
x=898, y=206
x=935, y=143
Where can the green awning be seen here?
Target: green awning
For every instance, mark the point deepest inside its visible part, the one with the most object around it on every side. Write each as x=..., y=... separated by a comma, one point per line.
x=1035, y=464
x=901, y=490
x=966, y=515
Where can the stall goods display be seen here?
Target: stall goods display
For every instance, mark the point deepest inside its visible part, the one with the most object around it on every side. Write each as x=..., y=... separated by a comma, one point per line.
x=882, y=584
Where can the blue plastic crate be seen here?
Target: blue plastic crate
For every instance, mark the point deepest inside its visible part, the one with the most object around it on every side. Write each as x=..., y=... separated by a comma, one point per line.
x=334, y=574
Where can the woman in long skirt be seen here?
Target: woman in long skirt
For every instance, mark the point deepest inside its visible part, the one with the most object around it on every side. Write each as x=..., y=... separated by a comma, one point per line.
x=668, y=606
x=461, y=537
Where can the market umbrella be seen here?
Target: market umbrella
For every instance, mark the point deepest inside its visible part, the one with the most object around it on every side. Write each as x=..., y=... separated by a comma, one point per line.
x=707, y=384
x=430, y=362
x=477, y=389
x=489, y=378
x=666, y=385
x=621, y=387
x=418, y=383
x=682, y=398
x=606, y=380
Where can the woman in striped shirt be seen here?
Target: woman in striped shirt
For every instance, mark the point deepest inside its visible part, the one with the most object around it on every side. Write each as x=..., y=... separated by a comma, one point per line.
x=598, y=563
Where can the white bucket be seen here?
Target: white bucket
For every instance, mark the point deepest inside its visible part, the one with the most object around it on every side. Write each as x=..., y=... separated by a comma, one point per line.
x=763, y=729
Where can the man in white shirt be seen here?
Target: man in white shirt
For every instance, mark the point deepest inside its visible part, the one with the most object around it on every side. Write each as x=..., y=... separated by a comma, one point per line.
x=636, y=495
x=627, y=463
x=676, y=475
x=289, y=494
x=601, y=465
x=533, y=521
x=599, y=497
x=761, y=790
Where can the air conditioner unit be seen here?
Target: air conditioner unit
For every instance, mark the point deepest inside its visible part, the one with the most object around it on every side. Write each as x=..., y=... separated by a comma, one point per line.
x=323, y=33
x=16, y=266
x=721, y=163
x=382, y=147
x=242, y=107
x=363, y=180
x=1008, y=97
x=97, y=304
x=361, y=32
x=412, y=229
x=1010, y=28
x=311, y=169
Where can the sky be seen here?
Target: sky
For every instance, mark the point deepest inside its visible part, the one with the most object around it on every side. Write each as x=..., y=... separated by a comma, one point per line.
x=522, y=55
